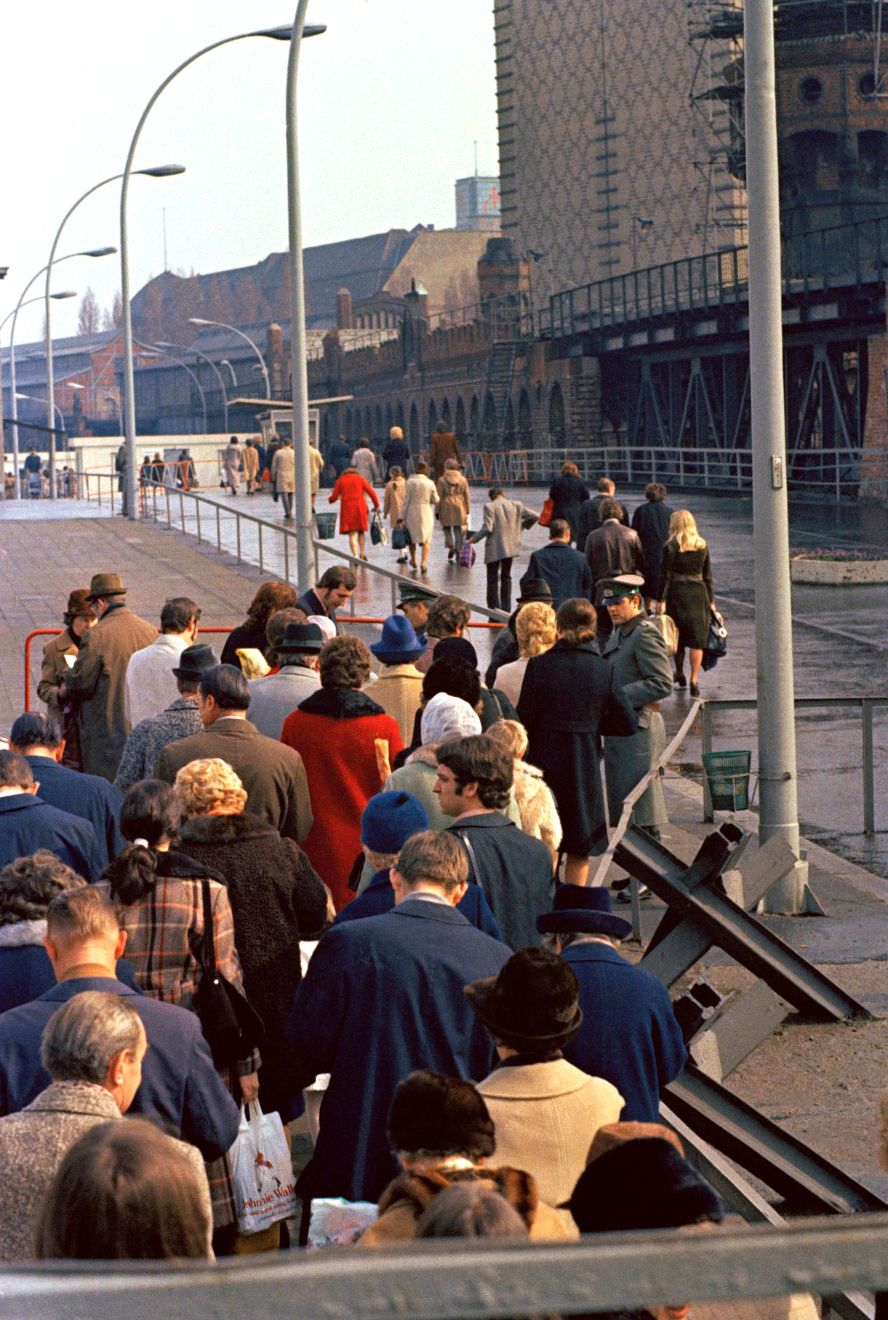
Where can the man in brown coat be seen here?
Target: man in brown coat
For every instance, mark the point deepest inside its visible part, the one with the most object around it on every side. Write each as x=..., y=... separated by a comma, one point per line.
x=98, y=679
x=611, y=549
x=443, y=446
x=272, y=773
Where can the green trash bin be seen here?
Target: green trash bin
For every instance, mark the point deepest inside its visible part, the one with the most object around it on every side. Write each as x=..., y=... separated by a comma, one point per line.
x=727, y=774
x=326, y=526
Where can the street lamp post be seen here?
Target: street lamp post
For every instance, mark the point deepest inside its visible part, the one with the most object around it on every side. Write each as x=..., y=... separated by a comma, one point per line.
x=199, y=320
x=778, y=812
x=154, y=172
x=56, y=412
x=274, y=34
x=189, y=348
x=13, y=409
x=298, y=366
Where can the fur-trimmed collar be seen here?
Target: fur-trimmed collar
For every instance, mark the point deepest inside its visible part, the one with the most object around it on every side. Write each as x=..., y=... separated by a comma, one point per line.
x=340, y=704
x=419, y=1187
x=427, y=755
x=175, y=865
x=23, y=934
x=224, y=829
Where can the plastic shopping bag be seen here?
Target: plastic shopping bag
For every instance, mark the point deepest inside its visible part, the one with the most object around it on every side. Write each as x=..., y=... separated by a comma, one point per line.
x=261, y=1171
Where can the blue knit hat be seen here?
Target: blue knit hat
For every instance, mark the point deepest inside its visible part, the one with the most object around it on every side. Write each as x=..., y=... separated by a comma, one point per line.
x=390, y=819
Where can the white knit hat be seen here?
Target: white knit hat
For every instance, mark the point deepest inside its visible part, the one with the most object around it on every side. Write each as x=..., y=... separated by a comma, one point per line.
x=448, y=717
x=326, y=625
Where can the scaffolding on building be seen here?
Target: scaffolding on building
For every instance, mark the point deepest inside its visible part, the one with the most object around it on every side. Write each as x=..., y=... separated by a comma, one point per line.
x=715, y=33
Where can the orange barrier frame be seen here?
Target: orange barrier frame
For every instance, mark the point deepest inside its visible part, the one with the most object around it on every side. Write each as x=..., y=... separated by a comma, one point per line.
x=54, y=632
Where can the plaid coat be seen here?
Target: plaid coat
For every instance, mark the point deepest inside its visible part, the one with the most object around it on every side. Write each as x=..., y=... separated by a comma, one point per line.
x=165, y=935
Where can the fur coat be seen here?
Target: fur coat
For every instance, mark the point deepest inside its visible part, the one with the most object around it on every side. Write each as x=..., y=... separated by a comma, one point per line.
x=536, y=805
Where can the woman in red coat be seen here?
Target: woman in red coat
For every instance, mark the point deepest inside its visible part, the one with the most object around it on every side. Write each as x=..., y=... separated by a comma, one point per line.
x=353, y=490
x=348, y=745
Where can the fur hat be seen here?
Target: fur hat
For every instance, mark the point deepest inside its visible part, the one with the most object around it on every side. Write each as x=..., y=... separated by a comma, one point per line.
x=533, y=1002
x=447, y=717
x=611, y=1135
x=641, y=1184
x=441, y=1115
x=456, y=648
x=583, y=910
x=390, y=819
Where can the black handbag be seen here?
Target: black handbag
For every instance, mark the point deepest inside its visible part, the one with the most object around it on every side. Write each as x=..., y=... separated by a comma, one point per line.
x=232, y=1027
x=400, y=537
x=716, y=643
x=376, y=529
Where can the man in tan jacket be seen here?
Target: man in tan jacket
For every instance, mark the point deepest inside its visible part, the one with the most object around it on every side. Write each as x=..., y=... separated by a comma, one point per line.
x=97, y=680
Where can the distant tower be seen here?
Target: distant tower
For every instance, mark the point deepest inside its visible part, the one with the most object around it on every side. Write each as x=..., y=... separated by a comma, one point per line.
x=832, y=114
x=344, y=314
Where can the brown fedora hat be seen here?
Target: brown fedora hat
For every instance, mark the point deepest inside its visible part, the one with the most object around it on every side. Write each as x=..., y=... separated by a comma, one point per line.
x=105, y=584
x=79, y=605
x=534, y=1000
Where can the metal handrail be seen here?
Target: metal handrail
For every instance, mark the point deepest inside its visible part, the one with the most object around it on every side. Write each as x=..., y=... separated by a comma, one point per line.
x=866, y=706
x=478, y=1280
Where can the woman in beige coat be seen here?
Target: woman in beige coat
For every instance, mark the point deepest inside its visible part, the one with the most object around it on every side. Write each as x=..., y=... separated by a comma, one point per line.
x=393, y=503
x=455, y=507
x=79, y=617
x=250, y=464
x=283, y=476
x=419, y=513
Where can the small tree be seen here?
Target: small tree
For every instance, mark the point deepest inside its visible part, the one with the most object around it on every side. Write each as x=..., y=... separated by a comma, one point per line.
x=88, y=317
x=113, y=319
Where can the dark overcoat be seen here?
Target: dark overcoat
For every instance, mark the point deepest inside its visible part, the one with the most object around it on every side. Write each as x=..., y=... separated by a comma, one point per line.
x=642, y=669
x=651, y=521
x=28, y=823
x=383, y=997
x=630, y=1035
x=98, y=683
x=90, y=797
x=686, y=587
x=565, y=696
x=567, y=494
x=180, y=1087
x=379, y=897
x=565, y=570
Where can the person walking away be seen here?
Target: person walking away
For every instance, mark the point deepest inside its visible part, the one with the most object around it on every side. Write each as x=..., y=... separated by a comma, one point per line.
x=150, y=680
x=533, y=797
x=339, y=456
x=353, y=490
x=535, y=631
x=568, y=700
x=250, y=635
x=455, y=508
x=629, y=1034
x=557, y=563
x=274, y=697
x=121, y=467
x=505, y=648
x=610, y=550
x=502, y=526
x=568, y=495
x=363, y=460
x=443, y=446
x=590, y=514
x=97, y=680
x=231, y=459
x=418, y=514
x=315, y=471
x=393, y=503
x=651, y=521
x=686, y=593
x=251, y=465
x=283, y=476
x=347, y=743
x=180, y=719
x=395, y=453
x=28, y=823
x=398, y=688
x=274, y=445
x=639, y=660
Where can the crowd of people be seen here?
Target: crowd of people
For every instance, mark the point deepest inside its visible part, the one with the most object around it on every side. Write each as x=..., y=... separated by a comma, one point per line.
x=382, y=856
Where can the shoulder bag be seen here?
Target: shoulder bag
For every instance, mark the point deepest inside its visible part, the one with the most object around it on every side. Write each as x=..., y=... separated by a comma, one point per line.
x=232, y=1027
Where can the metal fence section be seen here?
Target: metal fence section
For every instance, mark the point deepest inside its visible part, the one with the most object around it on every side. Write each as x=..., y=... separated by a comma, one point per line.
x=865, y=706
x=472, y=1280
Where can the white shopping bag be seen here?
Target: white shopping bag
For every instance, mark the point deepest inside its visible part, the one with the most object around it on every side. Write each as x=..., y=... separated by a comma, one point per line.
x=261, y=1171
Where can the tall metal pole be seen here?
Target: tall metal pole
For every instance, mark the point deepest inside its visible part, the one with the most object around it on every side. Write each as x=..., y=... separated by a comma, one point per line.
x=223, y=325
x=189, y=348
x=779, y=813
x=298, y=366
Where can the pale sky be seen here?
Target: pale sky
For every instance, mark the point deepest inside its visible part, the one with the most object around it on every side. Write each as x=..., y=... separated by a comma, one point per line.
x=392, y=99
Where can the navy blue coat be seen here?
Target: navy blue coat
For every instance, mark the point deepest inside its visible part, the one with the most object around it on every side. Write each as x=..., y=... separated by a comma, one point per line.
x=651, y=521
x=28, y=823
x=565, y=570
x=90, y=797
x=629, y=1036
x=383, y=997
x=379, y=897
x=180, y=1087
x=26, y=972
x=513, y=868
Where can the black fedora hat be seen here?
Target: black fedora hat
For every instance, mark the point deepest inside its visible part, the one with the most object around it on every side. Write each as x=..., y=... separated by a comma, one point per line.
x=531, y=589
x=533, y=1001
x=305, y=638
x=194, y=661
x=583, y=910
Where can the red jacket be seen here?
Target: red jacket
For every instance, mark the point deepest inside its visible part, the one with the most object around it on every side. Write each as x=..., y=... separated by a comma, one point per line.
x=348, y=745
x=351, y=488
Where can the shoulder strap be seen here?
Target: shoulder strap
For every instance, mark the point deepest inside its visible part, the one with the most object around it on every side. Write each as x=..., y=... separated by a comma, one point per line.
x=209, y=938
x=473, y=861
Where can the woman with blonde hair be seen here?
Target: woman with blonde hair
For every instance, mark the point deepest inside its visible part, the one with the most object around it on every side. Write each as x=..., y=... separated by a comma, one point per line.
x=686, y=593
x=276, y=900
x=536, y=805
x=535, y=633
